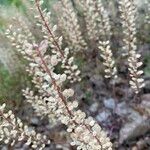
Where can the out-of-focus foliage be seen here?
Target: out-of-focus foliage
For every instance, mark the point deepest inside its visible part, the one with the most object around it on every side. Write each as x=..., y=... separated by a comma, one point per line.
x=147, y=68
x=11, y=85
x=20, y=3
x=9, y=2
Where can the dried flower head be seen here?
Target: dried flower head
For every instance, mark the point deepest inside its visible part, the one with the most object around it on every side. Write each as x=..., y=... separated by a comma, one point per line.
x=12, y=130
x=108, y=60
x=128, y=15
x=68, y=21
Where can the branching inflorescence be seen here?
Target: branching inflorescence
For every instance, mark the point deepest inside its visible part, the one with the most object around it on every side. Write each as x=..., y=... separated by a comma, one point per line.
x=84, y=131
x=40, y=105
x=55, y=43
x=12, y=131
x=96, y=18
x=70, y=26
x=128, y=15
x=90, y=15
x=104, y=43
x=99, y=29
x=108, y=60
x=51, y=66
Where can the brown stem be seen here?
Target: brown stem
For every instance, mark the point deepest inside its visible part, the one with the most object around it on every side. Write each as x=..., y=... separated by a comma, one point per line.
x=53, y=81
x=61, y=95
x=51, y=34
x=48, y=29
x=49, y=72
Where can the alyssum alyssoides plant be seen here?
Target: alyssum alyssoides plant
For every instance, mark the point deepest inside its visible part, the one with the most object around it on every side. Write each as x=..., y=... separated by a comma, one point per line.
x=99, y=30
x=12, y=131
x=68, y=23
x=47, y=55
x=84, y=131
x=128, y=15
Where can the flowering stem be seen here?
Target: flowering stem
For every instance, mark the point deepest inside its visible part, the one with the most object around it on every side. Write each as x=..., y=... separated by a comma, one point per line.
x=61, y=95
x=48, y=29
x=49, y=72
x=53, y=81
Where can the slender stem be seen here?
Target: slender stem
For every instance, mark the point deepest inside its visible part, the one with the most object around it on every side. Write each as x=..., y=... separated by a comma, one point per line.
x=48, y=29
x=61, y=95
x=53, y=81
x=49, y=72
x=51, y=35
